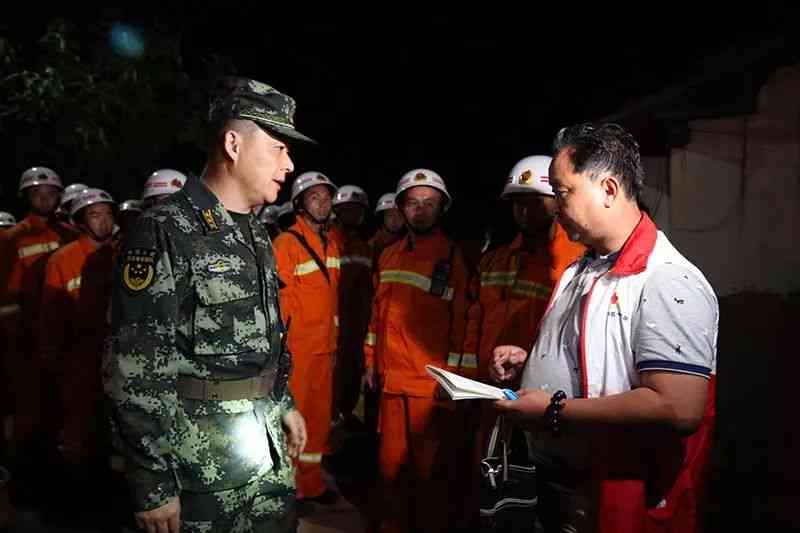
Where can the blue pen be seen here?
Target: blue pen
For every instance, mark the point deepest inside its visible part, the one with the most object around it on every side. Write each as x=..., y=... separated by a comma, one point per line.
x=510, y=394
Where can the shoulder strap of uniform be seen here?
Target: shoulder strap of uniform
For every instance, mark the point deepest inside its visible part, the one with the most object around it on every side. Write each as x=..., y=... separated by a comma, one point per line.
x=320, y=263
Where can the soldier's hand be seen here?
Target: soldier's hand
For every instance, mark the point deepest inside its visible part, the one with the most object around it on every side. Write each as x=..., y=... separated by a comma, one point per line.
x=506, y=363
x=296, y=436
x=164, y=519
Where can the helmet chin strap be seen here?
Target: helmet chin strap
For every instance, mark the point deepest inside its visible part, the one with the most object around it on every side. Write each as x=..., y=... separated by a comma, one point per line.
x=323, y=223
x=95, y=236
x=413, y=232
x=85, y=227
x=49, y=215
x=422, y=233
x=400, y=229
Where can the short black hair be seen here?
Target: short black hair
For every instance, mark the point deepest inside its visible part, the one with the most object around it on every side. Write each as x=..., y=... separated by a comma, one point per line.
x=607, y=148
x=215, y=131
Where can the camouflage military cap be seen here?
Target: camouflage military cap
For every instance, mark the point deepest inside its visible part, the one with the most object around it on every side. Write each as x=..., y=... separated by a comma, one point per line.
x=242, y=98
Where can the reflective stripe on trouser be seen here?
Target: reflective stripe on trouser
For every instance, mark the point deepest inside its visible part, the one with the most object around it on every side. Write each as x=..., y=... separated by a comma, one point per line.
x=312, y=387
x=414, y=463
x=10, y=309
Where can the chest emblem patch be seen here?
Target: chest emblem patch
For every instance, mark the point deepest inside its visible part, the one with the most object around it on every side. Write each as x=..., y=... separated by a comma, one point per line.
x=219, y=266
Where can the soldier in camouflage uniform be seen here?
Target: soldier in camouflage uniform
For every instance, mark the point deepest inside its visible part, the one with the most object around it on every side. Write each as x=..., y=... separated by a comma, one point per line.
x=197, y=365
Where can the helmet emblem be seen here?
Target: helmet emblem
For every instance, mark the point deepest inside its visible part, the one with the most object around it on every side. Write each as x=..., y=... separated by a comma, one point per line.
x=420, y=176
x=526, y=177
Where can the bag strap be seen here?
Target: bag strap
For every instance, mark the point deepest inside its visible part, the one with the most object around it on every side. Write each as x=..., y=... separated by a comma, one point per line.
x=320, y=263
x=501, y=435
x=496, y=434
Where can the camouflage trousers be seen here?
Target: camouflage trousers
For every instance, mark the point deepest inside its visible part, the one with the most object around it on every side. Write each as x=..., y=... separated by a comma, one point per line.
x=261, y=506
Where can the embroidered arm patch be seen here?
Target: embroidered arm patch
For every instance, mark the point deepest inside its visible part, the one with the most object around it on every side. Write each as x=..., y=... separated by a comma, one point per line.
x=138, y=269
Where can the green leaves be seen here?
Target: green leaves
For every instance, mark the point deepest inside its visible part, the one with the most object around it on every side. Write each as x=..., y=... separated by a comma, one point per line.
x=69, y=101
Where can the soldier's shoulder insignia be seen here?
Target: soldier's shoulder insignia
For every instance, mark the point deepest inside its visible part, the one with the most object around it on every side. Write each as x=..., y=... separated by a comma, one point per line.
x=138, y=269
x=209, y=220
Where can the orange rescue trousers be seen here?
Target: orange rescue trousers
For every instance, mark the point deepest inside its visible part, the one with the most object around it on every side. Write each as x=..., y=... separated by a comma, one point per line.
x=422, y=470
x=311, y=384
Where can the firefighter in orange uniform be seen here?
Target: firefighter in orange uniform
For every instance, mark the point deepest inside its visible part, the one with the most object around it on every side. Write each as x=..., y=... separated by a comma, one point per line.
x=350, y=205
x=7, y=221
x=161, y=184
x=392, y=225
x=391, y=230
x=308, y=266
x=71, y=192
x=514, y=282
x=418, y=318
x=127, y=215
x=72, y=325
x=268, y=215
x=24, y=257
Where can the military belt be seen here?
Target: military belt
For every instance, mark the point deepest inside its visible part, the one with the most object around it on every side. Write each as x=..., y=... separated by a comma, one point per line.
x=254, y=388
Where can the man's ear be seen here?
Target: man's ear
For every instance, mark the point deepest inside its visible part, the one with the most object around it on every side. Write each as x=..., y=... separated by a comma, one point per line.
x=612, y=188
x=232, y=144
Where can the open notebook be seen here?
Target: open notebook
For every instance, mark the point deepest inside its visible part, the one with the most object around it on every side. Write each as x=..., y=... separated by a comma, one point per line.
x=461, y=388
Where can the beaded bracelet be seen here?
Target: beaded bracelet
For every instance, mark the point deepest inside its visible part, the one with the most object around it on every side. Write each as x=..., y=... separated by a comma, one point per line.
x=552, y=414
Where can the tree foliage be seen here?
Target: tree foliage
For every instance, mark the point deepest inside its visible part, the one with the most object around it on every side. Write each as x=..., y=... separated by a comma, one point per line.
x=75, y=103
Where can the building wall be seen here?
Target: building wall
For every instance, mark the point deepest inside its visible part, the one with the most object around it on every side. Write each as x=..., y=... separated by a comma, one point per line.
x=656, y=191
x=734, y=206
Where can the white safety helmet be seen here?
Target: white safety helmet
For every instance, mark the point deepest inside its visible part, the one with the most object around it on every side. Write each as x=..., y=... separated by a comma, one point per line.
x=530, y=176
x=351, y=194
x=306, y=180
x=90, y=197
x=385, y=203
x=39, y=176
x=269, y=215
x=164, y=181
x=285, y=208
x=130, y=205
x=7, y=220
x=423, y=176
x=71, y=192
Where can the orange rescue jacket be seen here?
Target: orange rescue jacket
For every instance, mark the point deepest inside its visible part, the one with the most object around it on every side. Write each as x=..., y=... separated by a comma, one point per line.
x=355, y=290
x=307, y=298
x=75, y=298
x=24, y=257
x=382, y=240
x=510, y=292
x=410, y=326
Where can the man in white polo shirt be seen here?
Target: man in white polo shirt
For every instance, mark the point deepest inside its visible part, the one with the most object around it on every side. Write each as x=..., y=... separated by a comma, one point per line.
x=618, y=391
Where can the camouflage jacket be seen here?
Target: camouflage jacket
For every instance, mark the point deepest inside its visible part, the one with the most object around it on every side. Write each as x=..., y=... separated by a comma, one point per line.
x=192, y=297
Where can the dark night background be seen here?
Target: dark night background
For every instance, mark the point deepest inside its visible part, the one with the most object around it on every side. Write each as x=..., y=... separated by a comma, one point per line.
x=388, y=89
x=467, y=93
